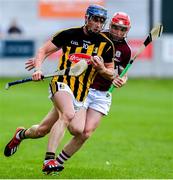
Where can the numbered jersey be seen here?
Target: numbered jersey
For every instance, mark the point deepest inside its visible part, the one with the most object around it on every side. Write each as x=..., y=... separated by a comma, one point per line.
x=74, y=40
x=121, y=59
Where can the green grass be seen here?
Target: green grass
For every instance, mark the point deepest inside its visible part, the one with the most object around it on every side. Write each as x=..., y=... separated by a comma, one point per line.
x=134, y=141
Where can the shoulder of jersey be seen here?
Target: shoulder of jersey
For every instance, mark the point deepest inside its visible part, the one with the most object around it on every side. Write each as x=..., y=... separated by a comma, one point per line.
x=127, y=44
x=105, y=36
x=105, y=31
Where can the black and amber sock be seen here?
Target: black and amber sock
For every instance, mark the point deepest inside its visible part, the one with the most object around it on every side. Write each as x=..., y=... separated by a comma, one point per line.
x=22, y=134
x=49, y=155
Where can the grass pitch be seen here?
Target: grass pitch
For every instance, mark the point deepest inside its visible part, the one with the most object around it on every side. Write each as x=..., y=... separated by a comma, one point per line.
x=134, y=141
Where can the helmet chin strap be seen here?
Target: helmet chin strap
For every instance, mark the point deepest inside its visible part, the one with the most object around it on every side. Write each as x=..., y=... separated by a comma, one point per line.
x=89, y=31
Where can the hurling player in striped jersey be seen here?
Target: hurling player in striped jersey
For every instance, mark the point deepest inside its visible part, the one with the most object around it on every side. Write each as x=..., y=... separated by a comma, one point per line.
x=69, y=92
x=98, y=101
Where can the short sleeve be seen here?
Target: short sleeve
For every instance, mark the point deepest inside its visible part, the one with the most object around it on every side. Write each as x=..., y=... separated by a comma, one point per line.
x=109, y=54
x=126, y=57
x=59, y=39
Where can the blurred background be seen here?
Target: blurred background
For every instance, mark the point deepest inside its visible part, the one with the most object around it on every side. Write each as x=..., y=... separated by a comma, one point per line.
x=38, y=20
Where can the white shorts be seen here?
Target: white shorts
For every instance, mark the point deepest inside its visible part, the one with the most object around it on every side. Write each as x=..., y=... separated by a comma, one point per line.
x=64, y=87
x=98, y=100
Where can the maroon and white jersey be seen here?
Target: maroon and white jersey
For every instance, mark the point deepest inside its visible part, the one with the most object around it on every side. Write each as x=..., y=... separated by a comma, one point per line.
x=121, y=59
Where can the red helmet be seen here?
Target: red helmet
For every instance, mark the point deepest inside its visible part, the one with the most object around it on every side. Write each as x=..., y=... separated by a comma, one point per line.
x=121, y=19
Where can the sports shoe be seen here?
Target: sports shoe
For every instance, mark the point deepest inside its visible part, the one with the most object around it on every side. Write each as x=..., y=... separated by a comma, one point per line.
x=52, y=167
x=12, y=146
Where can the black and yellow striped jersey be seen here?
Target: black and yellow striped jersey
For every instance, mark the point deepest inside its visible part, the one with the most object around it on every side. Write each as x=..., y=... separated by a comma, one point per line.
x=74, y=40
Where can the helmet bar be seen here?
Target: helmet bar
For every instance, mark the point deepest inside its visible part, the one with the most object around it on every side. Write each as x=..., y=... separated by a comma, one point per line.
x=98, y=19
x=119, y=27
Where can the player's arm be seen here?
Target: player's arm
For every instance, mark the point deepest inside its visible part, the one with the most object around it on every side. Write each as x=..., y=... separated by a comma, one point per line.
x=30, y=63
x=119, y=82
x=105, y=69
x=108, y=70
x=47, y=49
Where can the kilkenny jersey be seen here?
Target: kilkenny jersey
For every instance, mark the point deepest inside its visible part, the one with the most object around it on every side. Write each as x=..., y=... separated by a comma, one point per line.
x=74, y=40
x=121, y=58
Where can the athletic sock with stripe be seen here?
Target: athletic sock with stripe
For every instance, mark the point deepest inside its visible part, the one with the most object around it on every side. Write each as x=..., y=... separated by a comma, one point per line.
x=21, y=134
x=49, y=155
x=62, y=157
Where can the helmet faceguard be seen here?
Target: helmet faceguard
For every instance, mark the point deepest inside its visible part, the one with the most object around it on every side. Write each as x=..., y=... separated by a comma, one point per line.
x=120, y=21
x=95, y=13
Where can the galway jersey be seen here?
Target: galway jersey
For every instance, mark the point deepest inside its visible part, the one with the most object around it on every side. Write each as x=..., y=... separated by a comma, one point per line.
x=121, y=58
x=74, y=40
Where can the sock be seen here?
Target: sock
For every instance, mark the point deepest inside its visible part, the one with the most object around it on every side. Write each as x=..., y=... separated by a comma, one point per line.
x=62, y=157
x=21, y=134
x=49, y=155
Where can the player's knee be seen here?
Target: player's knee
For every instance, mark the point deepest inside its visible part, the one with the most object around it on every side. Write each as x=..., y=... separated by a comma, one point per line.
x=75, y=131
x=68, y=116
x=86, y=134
